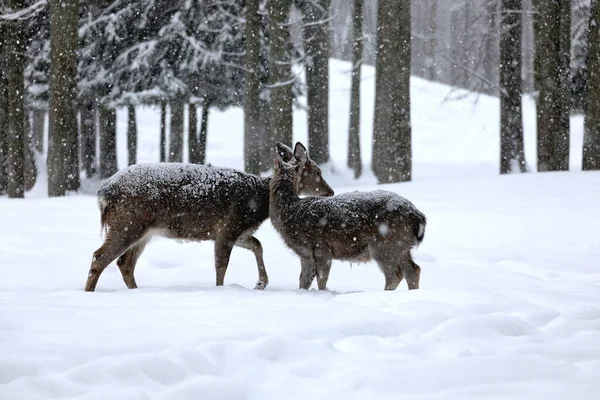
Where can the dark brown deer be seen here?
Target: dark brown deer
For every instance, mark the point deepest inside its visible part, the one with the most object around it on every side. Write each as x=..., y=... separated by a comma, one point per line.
x=189, y=202
x=359, y=226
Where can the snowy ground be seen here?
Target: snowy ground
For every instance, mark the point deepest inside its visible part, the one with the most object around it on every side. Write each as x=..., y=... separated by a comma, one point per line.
x=509, y=305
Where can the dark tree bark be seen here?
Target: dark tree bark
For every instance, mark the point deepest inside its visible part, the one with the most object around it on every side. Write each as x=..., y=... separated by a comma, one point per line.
x=3, y=115
x=131, y=135
x=354, y=158
x=37, y=129
x=316, y=42
x=392, y=151
x=203, y=133
x=88, y=138
x=176, y=134
x=553, y=53
x=591, y=133
x=29, y=166
x=163, y=131
x=431, y=43
x=108, y=142
x=252, y=136
x=512, y=149
x=15, y=65
x=63, y=161
x=280, y=79
x=193, y=134
x=266, y=145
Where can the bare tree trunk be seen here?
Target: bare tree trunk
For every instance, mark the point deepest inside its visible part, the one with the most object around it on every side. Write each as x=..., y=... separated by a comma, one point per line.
x=266, y=145
x=280, y=79
x=163, y=131
x=591, y=135
x=193, y=134
x=354, y=157
x=432, y=58
x=37, y=129
x=15, y=65
x=392, y=151
x=316, y=41
x=131, y=135
x=252, y=132
x=553, y=105
x=176, y=134
x=203, y=133
x=63, y=161
x=29, y=167
x=88, y=138
x=3, y=116
x=108, y=142
x=512, y=150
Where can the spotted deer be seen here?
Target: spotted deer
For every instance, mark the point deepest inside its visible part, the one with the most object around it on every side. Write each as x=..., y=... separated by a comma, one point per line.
x=189, y=202
x=358, y=226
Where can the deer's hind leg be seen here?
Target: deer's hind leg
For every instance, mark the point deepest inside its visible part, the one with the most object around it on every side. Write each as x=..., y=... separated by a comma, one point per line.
x=388, y=261
x=253, y=244
x=115, y=244
x=308, y=271
x=128, y=260
x=411, y=271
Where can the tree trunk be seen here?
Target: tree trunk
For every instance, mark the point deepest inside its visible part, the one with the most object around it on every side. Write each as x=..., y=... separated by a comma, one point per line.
x=88, y=138
x=316, y=41
x=108, y=142
x=512, y=153
x=266, y=145
x=354, y=158
x=553, y=48
x=193, y=134
x=176, y=134
x=29, y=167
x=131, y=135
x=252, y=137
x=37, y=129
x=432, y=51
x=15, y=65
x=591, y=133
x=63, y=161
x=203, y=133
x=163, y=131
x=280, y=79
x=3, y=116
x=392, y=152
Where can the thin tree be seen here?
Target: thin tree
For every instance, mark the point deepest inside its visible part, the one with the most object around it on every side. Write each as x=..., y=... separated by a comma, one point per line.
x=203, y=131
x=192, y=133
x=280, y=69
x=63, y=162
x=88, y=138
x=252, y=134
x=131, y=135
x=316, y=32
x=3, y=115
x=392, y=147
x=512, y=149
x=108, y=141
x=354, y=158
x=163, y=131
x=591, y=132
x=37, y=128
x=552, y=53
x=176, y=134
x=15, y=66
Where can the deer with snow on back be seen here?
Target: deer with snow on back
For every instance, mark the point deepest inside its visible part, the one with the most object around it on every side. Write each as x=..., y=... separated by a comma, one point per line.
x=359, y=226
x=187, y=202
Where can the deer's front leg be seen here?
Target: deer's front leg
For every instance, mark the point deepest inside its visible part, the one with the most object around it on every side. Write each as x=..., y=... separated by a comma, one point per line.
x=307, y=273
x=223, y=249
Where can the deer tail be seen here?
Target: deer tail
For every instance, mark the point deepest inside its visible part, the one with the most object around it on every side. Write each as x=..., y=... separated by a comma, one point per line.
x=419, y=225
x=103, y=204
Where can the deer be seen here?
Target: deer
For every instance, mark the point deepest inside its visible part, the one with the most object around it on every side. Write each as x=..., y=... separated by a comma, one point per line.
x=188, y=202
x=357, y=226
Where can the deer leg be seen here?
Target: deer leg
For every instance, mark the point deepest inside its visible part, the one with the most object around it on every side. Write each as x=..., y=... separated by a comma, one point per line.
x=223, y=249
x=115, y=244
x=253, y=244
x=323, y=267
x=307, y=273
x=127, y=261
x=412, y=272
x=388, y=264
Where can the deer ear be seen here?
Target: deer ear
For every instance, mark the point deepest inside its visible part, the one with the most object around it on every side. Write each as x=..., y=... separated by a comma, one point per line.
x=284, y=152
x=300, y=152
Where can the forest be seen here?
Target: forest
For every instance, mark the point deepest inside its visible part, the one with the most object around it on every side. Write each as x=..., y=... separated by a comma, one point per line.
x=68, y=65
